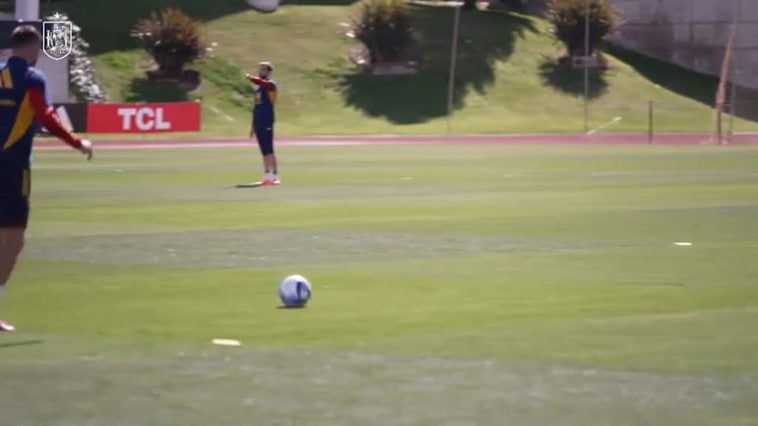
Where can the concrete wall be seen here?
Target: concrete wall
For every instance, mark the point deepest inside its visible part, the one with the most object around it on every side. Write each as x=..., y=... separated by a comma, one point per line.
x=56, y=73
x=57, y=78
x=693, y=33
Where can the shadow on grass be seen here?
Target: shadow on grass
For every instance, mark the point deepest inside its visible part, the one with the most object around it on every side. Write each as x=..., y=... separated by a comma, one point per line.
x=570, y=80
x=20, y=343
x=685, y=82
x=485, y=38
x=144, y=90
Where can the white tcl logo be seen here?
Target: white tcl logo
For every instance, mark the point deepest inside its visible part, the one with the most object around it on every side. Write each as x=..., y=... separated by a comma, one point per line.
x=143, y=119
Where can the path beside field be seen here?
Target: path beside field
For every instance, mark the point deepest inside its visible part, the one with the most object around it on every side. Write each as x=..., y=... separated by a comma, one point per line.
x=544, y=139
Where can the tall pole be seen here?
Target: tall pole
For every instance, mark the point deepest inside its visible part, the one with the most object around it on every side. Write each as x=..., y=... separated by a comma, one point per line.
x=732, y=106
x=453, y=59
x=725, y=67
x=586, y=66
x=735, y=74
x=650, y=123
x=27, y=10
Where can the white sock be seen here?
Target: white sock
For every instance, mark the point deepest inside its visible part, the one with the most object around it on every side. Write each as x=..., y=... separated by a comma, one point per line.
x=2, y=290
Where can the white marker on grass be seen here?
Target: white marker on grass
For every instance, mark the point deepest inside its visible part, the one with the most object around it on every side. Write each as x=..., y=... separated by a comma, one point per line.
x=682, y=243
x=226, y=342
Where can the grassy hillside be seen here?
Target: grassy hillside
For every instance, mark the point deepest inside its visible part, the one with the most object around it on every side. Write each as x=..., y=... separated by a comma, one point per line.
x=506, y=78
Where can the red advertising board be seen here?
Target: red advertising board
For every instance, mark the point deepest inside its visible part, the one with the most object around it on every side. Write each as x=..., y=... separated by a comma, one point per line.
x=143, y=118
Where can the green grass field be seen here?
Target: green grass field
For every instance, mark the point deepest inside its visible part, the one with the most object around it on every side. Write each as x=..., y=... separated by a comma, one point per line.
x=454, y=285
x=506, y=78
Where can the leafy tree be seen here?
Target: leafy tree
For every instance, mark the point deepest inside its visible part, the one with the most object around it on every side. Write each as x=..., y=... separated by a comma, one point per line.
x=469, y=4
x=385, y=27
x=172, y=38
x=568, y=19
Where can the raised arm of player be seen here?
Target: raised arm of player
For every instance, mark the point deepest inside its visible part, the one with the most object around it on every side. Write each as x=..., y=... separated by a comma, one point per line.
x=49, y=118
x=266, y=84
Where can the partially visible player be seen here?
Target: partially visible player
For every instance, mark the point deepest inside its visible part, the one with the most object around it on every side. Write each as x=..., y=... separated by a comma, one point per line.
x=22, y=100
x=263, y=120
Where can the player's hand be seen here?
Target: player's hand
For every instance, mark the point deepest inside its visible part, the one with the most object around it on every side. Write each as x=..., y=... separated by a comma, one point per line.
x=248, y=76
x=86, y=149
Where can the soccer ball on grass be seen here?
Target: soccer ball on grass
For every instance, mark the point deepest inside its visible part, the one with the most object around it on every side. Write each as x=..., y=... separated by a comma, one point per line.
x=294, y=291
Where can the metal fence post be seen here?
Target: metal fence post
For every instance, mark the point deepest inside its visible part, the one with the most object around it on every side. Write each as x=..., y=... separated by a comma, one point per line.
x=650, y=124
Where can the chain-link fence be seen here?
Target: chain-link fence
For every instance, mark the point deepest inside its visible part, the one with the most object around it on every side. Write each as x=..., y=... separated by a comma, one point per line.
x=657, y=117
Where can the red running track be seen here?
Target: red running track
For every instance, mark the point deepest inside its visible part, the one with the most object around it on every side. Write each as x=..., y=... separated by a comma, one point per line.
x=536, y=139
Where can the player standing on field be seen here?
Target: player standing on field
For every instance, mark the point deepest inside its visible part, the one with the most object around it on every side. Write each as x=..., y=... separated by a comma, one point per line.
x=263, y=120
x=22, y=100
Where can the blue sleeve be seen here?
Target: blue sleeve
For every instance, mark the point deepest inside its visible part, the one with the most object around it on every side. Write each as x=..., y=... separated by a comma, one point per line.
x=36, y=80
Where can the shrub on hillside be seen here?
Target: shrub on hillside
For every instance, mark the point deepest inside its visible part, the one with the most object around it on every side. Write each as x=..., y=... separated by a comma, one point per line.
x=385, y=27
x=172, y=38
x=516, y=4
x=568, y=19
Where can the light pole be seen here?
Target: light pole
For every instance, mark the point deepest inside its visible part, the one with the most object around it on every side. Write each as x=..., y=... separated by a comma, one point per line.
x=725, y=72
x=27, y=10
x=453, y=58
x=586, y=66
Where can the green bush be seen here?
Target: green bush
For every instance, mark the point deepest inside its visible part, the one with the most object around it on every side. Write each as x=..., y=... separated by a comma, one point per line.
x=385, y=27
x=511, y=5
x=516, y=4
x=568, y=19
x=172, y=38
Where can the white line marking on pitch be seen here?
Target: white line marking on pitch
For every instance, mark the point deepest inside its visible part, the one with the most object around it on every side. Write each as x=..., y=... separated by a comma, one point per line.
x=605, y=126
x=223, y=114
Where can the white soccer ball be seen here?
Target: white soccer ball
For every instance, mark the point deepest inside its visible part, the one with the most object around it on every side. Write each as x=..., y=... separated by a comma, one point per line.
x=266, y=6
x=294, y=291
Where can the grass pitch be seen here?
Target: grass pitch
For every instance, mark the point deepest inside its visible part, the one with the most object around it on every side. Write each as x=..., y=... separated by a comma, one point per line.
x=452, y=285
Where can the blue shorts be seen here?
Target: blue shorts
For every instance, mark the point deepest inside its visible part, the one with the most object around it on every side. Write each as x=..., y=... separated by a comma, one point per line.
x=15, y=186
x=265, y=136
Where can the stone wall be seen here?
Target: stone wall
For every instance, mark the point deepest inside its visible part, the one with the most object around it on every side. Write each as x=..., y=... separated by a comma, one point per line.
x=693, y=33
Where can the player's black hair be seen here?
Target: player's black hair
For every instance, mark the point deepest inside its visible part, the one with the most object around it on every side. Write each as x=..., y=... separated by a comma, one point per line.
x=25, y=35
